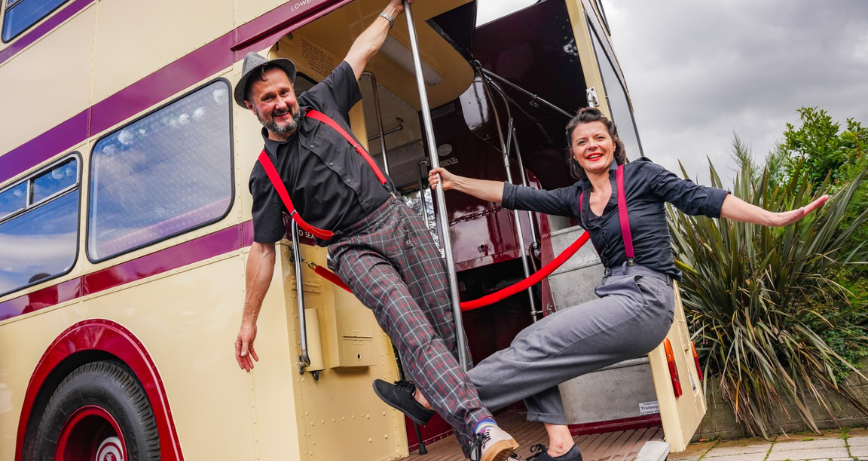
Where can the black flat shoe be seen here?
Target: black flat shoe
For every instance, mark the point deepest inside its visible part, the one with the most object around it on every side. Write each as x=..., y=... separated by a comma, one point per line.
x=400, y=397
x=542, y=454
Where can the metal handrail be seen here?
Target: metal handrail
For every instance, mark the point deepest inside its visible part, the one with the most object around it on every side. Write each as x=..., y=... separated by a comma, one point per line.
x=505, y=146
x=304, y=358
x=422, y=193
x=441, y=199
x=376, y=91
x=534, y=97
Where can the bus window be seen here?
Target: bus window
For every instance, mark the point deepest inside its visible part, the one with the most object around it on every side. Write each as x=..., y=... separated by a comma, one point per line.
x=21, y=14
x=162, y=175
x=619, y=106
x=42, y=241
x=13, y=200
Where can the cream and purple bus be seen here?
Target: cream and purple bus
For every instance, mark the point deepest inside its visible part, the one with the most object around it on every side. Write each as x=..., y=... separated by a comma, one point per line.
x=125, y=222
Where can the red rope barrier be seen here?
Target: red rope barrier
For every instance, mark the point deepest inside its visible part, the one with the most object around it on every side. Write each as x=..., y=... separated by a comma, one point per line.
x=498, y=295
x=530, y=281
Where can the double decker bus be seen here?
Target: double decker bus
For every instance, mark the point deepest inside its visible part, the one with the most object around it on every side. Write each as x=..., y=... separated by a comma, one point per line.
x=125, y=224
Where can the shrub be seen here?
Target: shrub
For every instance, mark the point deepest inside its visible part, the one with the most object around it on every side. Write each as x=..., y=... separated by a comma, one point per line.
x=771, y=319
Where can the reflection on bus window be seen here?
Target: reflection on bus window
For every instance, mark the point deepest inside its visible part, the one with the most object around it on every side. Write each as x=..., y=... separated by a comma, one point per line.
x=162, y=175
x=13, y=199
x=622, y=113
x=53, y=182
x=40, y=243
x=21, y=14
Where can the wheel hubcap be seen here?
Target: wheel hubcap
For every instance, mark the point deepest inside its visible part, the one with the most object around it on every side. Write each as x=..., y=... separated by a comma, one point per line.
x=90, y=434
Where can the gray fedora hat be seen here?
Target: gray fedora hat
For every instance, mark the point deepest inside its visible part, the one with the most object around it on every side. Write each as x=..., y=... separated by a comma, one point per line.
x=252, y=63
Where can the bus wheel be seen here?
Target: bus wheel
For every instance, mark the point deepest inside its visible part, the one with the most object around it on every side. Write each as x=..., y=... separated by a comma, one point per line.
x=98, y=413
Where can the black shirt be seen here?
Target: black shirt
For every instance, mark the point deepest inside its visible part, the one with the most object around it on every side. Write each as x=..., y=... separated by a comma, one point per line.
x=329, y=183
x=647, y=186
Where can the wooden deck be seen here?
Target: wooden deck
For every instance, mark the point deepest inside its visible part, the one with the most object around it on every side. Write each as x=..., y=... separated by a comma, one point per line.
x=609, y=446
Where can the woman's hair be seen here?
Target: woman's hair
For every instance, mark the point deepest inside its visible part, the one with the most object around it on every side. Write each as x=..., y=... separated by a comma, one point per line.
x=588, y=115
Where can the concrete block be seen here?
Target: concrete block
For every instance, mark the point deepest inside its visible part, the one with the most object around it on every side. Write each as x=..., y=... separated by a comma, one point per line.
x=718, y=451
x=857, y=441
x=815, y=444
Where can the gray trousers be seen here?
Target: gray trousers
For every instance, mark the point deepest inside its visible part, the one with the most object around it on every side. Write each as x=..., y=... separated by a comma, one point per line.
x=631, y=317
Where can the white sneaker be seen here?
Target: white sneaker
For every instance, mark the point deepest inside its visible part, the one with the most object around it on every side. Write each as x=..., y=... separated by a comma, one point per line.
x=492, y=444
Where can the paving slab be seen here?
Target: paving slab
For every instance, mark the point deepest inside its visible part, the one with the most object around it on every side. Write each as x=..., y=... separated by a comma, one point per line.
x=693, y=452
x=747, y=457
x=717, y=452
x=859, y=451
x=821, y=453
x=808, y=444
x=857, y=441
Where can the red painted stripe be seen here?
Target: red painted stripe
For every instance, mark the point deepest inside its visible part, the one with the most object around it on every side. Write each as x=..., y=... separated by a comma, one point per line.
x=626, y=424
x=40, y=299
x=174, y=257
x=163, y=83
x=190, y=252
x=62, y=14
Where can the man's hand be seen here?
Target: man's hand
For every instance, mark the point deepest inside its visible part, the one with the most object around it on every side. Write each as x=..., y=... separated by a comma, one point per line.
x=370, y=41
x=244, y=352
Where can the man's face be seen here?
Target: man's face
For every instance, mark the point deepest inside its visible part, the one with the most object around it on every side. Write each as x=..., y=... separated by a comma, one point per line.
x=272, y=100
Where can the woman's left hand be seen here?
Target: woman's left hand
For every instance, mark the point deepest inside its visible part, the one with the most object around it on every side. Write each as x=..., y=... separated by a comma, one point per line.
x=785, y=218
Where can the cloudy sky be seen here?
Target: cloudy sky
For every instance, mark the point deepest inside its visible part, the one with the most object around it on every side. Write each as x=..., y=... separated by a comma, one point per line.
x=698, y=71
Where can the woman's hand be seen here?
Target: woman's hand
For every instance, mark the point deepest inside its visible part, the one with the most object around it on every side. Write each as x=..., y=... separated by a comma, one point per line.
x=441, y=175
x=739, y=210
x=785, y=218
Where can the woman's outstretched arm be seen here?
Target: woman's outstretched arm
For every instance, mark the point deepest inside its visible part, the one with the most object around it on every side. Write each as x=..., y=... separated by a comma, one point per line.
x=491, y=191
x=739, y=210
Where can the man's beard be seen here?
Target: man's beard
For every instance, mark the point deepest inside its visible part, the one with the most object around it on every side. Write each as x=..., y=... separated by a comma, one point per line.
x=272, y=126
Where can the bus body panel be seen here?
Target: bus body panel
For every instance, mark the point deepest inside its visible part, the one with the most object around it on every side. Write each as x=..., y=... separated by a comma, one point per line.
x=134, y=38
x=49, y=83
x=23, y=341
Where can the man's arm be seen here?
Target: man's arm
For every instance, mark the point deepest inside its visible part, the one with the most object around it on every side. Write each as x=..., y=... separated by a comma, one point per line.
x=367, y=45
x=260, y=269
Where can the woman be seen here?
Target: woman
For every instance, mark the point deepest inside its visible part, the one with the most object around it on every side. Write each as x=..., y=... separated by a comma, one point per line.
x=634, y=310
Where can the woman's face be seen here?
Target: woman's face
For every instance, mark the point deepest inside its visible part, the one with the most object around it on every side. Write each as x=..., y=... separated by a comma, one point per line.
x=593, y=147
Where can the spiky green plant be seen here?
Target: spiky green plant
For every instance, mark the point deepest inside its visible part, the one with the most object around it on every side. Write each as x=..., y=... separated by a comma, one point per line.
x=760, y=300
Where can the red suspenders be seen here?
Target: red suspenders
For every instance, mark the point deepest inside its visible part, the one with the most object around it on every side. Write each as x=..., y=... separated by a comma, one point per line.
x=622, y=214
x=281, y=188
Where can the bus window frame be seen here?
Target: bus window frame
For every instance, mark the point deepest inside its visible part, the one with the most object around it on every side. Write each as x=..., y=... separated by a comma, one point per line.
x=79, y=175
x=223, y=216
x=4, y=12
x=616, y=66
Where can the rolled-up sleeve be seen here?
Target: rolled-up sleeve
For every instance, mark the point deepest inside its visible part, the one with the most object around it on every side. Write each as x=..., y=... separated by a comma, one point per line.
x=687, y=196
x=559, y=202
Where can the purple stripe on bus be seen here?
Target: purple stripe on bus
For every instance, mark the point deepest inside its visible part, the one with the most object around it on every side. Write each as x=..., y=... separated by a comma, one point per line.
x=45, y=146
x=40, y=299
x=173, y=78
x=180, y=255
x=163, y=83
x=53, y=21
x=193, y=251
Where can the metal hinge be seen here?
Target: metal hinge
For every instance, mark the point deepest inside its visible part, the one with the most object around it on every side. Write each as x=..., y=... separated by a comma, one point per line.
x=592, y=97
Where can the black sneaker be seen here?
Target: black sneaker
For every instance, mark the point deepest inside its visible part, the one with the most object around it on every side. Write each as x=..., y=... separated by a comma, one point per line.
x=400, y=397
x=542, y=454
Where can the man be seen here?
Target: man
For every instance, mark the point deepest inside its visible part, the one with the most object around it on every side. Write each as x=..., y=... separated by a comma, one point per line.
x=381, y=249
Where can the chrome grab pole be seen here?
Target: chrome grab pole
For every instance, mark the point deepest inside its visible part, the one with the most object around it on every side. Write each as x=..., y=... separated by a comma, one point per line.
x=304, y=358
x=441, y=199
x=505, y=145
x=518, y=157
x=376, y=91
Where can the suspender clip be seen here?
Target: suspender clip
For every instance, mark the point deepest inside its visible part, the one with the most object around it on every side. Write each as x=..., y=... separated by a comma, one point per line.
x=630, y=262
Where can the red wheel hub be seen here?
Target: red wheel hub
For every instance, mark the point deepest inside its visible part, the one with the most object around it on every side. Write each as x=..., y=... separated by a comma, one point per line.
x=91, y=434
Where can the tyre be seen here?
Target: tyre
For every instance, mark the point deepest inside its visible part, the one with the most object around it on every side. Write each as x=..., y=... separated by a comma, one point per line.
x=100, y=412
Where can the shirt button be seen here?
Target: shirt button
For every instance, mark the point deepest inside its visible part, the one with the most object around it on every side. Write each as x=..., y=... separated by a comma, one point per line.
x=331, y=163
x=348, y=180
x=312, y=146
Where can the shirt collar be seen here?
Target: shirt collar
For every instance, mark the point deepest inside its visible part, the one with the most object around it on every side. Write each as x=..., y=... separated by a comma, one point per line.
x=613, y=168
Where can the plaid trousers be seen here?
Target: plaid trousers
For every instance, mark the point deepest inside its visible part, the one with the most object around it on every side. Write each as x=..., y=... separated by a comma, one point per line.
x=391, y=263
